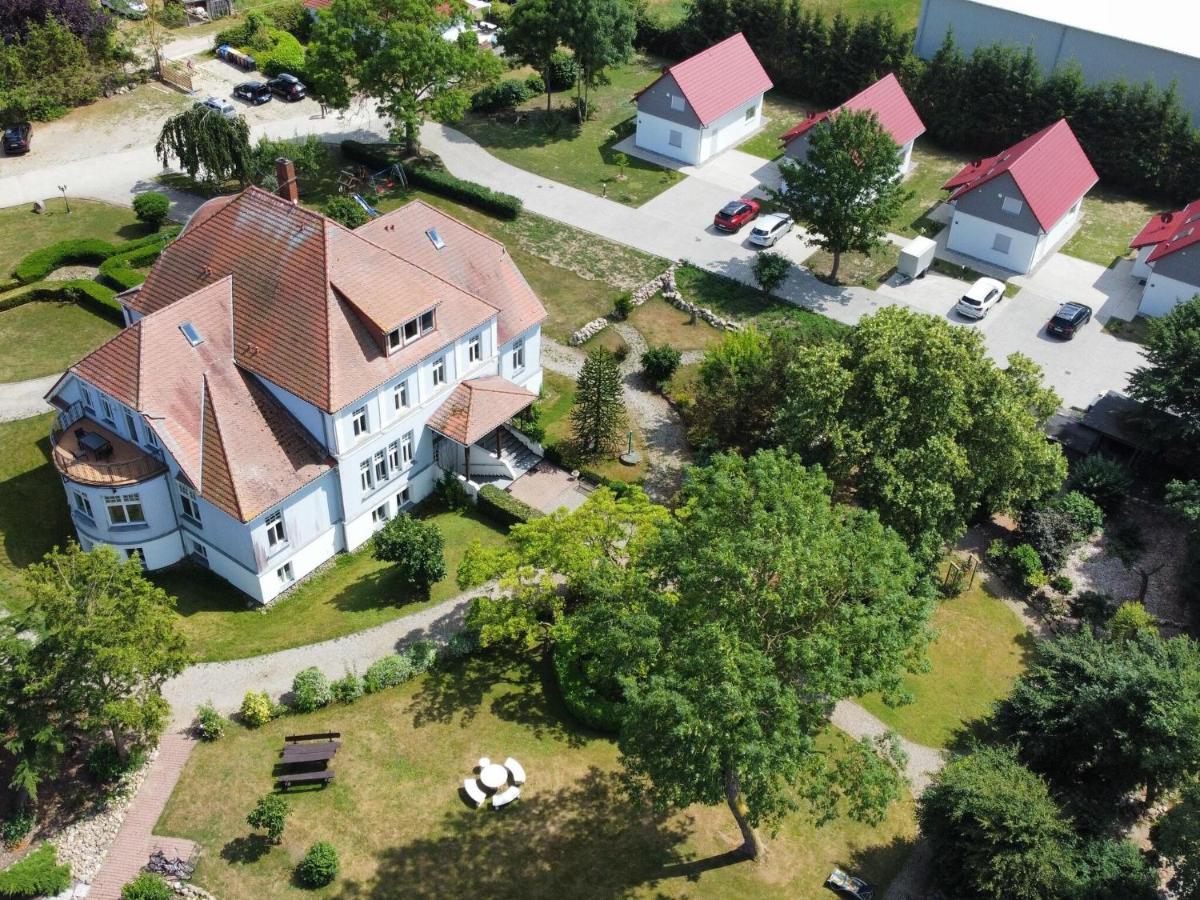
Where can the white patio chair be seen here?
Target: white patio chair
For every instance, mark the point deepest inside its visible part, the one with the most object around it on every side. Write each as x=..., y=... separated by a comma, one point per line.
x=505, y=797
x=515, y=770
x=473, y=790
x=484, y=762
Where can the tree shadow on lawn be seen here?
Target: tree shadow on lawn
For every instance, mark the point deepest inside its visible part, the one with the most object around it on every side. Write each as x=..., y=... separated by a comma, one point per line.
x=535, y=129
x=33, y=512
x=588, y=839
x=246, y=850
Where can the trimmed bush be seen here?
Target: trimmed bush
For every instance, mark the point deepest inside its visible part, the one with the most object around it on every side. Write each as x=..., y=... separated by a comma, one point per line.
x=152, y=207
x=35, y=875
x=310, y=690
x=1062, y=584
x=319, y=866
x=40, y=263
x=122, y=269
x=210, y=724
x=422, y=655
x=451, y=492
x=285, y=55
x=503, y=508
x=387, y=672
x=1105, y=481
x=347, y=689
x=148, y=886
x=257, y=709
x=461, y=643
x=270, y=814
x=415, y=547
x=535, y=85
x=659, y=363
x=501, y=95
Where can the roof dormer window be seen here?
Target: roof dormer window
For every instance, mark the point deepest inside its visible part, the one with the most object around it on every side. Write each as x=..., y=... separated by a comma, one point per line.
x=410, y=331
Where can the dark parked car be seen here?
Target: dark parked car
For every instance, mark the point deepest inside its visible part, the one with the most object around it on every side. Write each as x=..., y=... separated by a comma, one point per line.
x=1069, y=319
x=253, y=92
x=735, y=214
x=17, y=137
x=289, y=87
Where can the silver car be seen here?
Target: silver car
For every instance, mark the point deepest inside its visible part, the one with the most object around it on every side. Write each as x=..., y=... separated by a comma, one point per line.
x=980, y=297
x=219, y=105
x=770, y=228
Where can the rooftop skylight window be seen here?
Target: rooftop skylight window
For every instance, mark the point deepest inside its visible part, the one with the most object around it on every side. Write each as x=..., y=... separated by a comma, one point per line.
x=435, y=238
x=190, y=332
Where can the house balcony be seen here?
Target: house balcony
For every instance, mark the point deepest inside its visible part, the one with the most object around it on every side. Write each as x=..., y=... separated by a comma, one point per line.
x=88, y=453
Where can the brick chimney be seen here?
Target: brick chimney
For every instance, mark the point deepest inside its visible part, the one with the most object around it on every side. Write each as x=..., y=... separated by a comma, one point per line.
x=285, y=174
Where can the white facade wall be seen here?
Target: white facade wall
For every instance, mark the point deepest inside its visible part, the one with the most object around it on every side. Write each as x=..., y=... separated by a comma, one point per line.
x=732, y=128
x=697, y=145
x=1141, y=268
x=1051, y=239
x=157, y=538
x=530, y=375
x=976, y=237
x=906, y=158
x=1163, y=294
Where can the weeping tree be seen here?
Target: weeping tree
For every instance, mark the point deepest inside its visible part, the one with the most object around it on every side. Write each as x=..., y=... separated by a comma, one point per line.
x=203, y=140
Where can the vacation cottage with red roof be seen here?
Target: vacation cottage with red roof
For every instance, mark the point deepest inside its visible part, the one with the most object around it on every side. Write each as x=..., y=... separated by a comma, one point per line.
x=285, y=385
x=1168, y=260
x=703, y=105
x=1014, y=208
x=891, y=106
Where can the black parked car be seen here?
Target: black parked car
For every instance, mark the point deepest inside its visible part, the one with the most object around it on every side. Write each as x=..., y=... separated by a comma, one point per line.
x=289, y=87
x=253, y=92
x=17, y=137
x=1069, y=319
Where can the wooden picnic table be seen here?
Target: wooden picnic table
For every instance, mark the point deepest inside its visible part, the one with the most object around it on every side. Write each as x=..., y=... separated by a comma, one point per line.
x=303, y=753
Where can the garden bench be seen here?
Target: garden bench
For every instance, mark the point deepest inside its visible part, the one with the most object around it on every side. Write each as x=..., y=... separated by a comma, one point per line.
x=324, y=776
x=474, y=792
x=505, y=797
x=516, y=770
x=297, y=753
x=319, y=736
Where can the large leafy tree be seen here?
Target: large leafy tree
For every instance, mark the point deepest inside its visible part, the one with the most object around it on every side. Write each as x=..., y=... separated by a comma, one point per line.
x=204, y=141
x=535, y=29
x=601, y=33
x=914, y=416
x=846, y=190
x=104, y=642
x=995, y=830
x=1176, y=837
x=1171, y=380
x=1101, y=718
x=774, y=602
x=598, y=415
x=393, y=52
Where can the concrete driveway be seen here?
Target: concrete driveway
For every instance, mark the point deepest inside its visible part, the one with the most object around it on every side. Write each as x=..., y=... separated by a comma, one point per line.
x=1110, y=292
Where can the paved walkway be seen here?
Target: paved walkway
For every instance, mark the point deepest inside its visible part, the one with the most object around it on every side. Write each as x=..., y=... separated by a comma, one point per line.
x=136, y=841
x=22, y=399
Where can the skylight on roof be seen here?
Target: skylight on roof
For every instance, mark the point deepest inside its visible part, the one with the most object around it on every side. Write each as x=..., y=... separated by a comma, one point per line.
x=190, y=332
x=435, y=238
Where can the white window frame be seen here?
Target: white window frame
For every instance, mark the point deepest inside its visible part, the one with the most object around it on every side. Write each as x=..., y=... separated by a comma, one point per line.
x=400, y=396
x=518, y=354
x=128, y=507
x=750, y=111
x=107, y=410
x=82, y=504
x=131, y=425
x=475, y=349
x=189, y=502
x=381, y=466
x=198, y=549
x=437, y=372
x=85, y=395
x=380, y=516
x=151, y=440
x=136, y=553
x=393, y=456
x=285, y=573
x=276, y=532
x=360, y=422
x=407, y=448
x=366, y=476
x=401, y=499
x=394, y=341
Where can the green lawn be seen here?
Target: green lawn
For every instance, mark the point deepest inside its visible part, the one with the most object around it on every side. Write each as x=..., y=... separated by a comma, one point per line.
x=1110, y=221
x=867, y=269
x=932, y=167
x=45, y=336
x=734, y=300
x=354, y=592
x=581, y=156
x=22, y=231
x=661, y=323
x=558, y=395
x=980, y=648
x=401, y=829
x=780, y=112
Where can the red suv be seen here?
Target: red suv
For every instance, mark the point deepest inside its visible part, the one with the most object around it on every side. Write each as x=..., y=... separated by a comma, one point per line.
x=735, y=214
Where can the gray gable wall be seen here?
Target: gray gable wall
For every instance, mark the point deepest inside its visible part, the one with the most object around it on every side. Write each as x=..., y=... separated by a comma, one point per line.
x=1182, y=265
x=798, y=149
x=656, y=101
x=985, y=203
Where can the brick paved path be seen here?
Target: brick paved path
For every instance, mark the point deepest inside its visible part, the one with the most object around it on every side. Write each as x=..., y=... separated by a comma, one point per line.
x=135, y=842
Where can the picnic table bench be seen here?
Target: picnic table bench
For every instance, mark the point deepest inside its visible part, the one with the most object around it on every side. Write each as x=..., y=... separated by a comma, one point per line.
x=324, y=776
x=318, y=736
x=299, y=753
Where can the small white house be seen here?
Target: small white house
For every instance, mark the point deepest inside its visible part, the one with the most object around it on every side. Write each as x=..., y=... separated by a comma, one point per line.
x=703, y=105
x=885, y=98
x=1168, y=260
x=1014, y=208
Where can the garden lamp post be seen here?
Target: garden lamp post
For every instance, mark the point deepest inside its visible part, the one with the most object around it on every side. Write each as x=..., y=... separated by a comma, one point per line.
x=63, y=188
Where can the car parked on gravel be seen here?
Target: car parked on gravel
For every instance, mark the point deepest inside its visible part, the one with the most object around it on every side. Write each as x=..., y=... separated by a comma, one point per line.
x=17, y=138
x=289, y=87
x=218, y=105
x=980, y=297
x=253, y=92
x=770, y=228
x=736, y=213
x=1068, y=320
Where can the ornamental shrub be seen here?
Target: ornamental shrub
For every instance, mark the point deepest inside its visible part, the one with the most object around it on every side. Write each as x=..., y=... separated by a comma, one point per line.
x=415, y=547
x=451, y=492
x=346, y=211
x=421, y=656
x=623, y=306
x=319, y=866
x=148, y=886
x=16, y=828
x=1086, y=517
x=310, y=690
x=257, y=709
x=1130, y=620
x=106, y=765
x=348, y=688
x=1027, y=566
x=286, y=54
x=1105, y=481
x=270, y=814
x=152, y=207
x=534, y=85
x=35, y=875
x=501, y=95
x=387, y=672
x=210, y=724
x=561, y=72
x=503, y=508
x=1062, y=584
x=659, y=363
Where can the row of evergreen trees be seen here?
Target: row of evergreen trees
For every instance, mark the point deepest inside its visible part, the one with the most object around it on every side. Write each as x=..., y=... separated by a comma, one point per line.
x=1138, y=137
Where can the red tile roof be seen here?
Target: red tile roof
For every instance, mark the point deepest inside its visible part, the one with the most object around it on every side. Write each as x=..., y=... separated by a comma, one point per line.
x=477, y=406
x=1050, y=169
x=885, y=98
x=316, y=4
x=719, y=79
x=1170, y=231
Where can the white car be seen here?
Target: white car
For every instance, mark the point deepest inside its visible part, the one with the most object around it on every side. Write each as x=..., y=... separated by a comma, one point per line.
x=219, y=105
x=980, y=297
x=770, y=228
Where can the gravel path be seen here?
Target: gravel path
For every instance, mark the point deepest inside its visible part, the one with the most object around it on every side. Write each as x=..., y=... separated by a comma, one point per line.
x=22, y=399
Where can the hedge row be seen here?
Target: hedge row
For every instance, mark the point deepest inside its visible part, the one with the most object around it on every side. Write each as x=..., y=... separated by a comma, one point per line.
x=122, y=269
x=435, y=180
x=76, y=290
x=40, y=263
x=504, y=508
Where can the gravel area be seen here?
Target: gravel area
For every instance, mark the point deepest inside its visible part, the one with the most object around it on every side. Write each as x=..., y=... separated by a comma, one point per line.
x=67, y=273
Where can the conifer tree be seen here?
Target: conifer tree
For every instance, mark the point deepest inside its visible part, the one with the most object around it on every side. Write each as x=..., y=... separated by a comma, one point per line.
x=598, y=416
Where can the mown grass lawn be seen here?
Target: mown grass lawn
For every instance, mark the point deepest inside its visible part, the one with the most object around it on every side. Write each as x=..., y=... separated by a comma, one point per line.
x=661, y=323
x=867, y=269
x=353, y=592
x=780, y=112
x=734, y=300
x=1110, y=221
x=46, y=336
x=22, y=231
x=980, y=648
x=395, y=815
x=932, y=166
x=582, y=156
